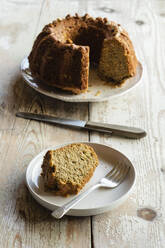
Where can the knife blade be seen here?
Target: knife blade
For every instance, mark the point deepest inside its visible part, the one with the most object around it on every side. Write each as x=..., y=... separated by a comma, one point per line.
x=124, y=131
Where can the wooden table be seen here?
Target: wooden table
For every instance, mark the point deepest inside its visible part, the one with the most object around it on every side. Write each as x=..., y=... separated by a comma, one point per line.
x=140, y=221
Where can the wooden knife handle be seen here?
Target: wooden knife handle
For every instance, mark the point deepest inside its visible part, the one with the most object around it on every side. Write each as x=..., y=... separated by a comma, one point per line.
x=129, y=132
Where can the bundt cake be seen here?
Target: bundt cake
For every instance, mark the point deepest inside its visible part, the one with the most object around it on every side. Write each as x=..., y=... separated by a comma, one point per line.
x=66, y=170
x=61, y=53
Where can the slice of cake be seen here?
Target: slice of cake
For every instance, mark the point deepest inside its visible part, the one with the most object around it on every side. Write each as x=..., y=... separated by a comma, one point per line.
x=66, y=170
x=117, y=61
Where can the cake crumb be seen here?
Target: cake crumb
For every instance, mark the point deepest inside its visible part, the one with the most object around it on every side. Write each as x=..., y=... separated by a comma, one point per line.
x=66, y=170
x=98, y=93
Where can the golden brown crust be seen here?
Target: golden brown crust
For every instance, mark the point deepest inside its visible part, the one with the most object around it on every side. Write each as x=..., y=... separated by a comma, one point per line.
x=60, y=54
x=64, y=177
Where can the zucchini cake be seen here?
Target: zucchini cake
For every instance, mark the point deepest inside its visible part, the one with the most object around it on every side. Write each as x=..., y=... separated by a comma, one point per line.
x=66, y=170
x=65, y=49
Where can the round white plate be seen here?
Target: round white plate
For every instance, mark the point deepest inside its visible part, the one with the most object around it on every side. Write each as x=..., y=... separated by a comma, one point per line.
x=100, y=200
x=98, y=90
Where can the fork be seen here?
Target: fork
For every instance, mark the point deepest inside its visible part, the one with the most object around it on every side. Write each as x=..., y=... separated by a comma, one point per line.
x=111, y=180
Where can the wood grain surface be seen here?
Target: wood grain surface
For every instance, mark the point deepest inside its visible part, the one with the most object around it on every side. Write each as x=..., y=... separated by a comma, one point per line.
x=140, y=221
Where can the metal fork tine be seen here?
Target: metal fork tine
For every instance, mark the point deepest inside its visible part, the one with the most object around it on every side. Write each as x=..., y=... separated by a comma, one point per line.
x=120, y=172
x=113, y=172
x=123, y=175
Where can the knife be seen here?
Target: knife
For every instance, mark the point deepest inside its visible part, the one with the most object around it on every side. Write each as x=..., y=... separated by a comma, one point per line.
x=124, y=131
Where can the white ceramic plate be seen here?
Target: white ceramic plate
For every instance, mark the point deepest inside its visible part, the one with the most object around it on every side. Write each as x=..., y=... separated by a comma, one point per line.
x=98, y=90
x=99, y=201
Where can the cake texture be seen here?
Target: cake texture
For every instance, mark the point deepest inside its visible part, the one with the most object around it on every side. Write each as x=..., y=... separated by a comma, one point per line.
x=62, y=52
x=66, y=170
